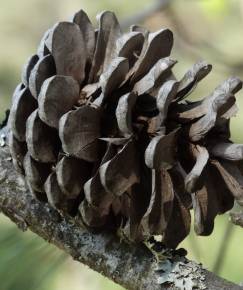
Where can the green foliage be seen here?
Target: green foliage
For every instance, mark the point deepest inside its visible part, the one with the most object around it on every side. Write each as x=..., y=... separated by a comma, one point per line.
x=215, y=8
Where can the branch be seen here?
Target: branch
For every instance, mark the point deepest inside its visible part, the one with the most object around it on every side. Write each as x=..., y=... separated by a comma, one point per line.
x=184, y=40
x=141, y=16
x=131, y=266
x=193, y=48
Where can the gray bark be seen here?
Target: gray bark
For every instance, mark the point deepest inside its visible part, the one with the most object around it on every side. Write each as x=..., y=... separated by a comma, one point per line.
x=131, y=266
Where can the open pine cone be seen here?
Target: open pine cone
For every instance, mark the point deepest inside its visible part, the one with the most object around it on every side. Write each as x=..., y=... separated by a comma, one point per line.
x=100, y=130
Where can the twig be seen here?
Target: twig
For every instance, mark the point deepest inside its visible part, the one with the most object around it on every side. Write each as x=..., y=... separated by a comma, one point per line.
x=140, y=17
x=191, y=47
x=184, y=41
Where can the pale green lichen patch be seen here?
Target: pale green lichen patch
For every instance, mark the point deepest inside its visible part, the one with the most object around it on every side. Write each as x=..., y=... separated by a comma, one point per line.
x=181, y=273
x=172, y=267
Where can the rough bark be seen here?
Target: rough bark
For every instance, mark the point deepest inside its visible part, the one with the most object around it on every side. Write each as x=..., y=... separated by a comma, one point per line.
x=131, y=266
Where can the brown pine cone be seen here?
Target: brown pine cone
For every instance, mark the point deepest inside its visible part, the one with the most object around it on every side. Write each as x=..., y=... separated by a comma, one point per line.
x=100, y=129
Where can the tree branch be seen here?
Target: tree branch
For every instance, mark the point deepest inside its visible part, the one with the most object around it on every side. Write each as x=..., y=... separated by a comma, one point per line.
x=131, y=266
x=157, y=6
x=184, y=41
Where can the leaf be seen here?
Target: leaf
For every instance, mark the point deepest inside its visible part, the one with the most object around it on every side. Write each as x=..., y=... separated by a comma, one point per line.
x=57, y=96
x=42, y=70
x=124, y=113
x=198, y=72
x=27, y=68
x=229, y=151
x=129, y=46
x=109, y=31
x=157, y=74
x=159, y=45
x=72, y=173
x=179, y=224
x=42, y=140
x=117, y=178
x=79, y=131
x=156, y=218
x=36, y=173
x=88, y=32
x=232, y=178
x=66, y=44
x=18, y=150
x=161, y=151
x=201, y=155
x=165, y=96
x=23, y=105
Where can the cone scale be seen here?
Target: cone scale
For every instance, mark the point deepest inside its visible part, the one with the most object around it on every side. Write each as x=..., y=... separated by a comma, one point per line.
x=100, y=129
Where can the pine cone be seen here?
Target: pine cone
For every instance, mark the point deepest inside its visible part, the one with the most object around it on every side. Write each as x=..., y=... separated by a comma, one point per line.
x=100, y=130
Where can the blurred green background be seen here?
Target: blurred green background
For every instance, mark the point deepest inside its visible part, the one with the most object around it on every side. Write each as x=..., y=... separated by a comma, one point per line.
x=204, y=29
